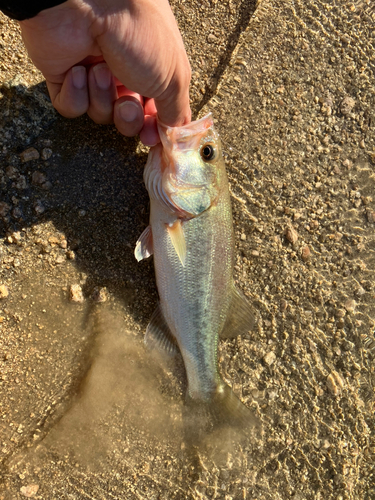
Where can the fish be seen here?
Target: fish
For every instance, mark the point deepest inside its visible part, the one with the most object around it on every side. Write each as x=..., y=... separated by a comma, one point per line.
x=191, y=238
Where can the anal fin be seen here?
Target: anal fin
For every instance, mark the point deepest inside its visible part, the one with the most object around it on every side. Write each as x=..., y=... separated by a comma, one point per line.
x=144, y=246
x=158, y=335
x=241, y=317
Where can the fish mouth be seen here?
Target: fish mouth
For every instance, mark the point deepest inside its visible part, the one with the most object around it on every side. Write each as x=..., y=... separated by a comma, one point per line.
x=186, y=136
x=195, y=124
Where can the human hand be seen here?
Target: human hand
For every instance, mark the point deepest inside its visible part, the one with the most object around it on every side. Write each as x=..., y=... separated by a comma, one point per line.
x=120, y=61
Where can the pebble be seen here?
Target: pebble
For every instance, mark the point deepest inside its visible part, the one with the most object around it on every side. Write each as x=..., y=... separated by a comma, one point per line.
x=60, y=259
x=305, y=253
x=30, y=490
x=291, y=235
x=4, y=292
x=335, y=383
x=20, y=183
x=243, y=236
x=99, y=294
x=212, y=38
x=46, y=153
x=347, y=104
x=269, y=358
x=39, y=208
x=76, y=294
x=283, y=305
x=12, y=172
x=70, y=255
x=53, y=240
x=38, y=178
x=4, y=208
x=29, y=154
x=371, y=216
x=350, y=305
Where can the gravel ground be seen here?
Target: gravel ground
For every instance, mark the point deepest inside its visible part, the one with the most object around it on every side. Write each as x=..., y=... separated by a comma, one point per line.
x=85, y=412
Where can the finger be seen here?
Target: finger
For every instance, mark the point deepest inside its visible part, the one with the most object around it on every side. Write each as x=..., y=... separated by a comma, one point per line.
x=150, y=107
x=102, y=92
x=149, y=134
x=71, y=98
x=124, y=91
x=173, y=106
x=128, y=115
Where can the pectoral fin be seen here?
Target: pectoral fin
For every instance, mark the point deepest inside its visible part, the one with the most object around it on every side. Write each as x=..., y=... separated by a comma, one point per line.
x=240, y=318
x=158, y=335
x=176, y=233
x=144, y=246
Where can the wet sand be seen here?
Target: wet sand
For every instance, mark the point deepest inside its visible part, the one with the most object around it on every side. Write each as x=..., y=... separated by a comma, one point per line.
x=85, y=411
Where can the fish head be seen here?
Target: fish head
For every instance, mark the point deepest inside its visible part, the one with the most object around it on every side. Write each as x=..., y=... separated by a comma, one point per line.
x=190, y=167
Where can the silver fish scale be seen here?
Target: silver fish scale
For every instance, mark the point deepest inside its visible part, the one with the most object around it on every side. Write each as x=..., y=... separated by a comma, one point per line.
x=195, y=299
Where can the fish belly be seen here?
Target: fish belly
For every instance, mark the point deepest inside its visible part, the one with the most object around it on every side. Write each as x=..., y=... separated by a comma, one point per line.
x=195, y=298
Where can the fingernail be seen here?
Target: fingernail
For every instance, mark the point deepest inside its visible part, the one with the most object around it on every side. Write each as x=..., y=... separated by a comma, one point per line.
x=79, y=77
x=103, y=76
x=129, y=111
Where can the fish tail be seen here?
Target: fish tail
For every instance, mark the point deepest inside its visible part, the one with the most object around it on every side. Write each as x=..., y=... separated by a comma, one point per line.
x=226, y=408
x=223, y=409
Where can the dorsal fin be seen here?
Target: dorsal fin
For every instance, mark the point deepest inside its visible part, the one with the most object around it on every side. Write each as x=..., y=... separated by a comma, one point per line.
x=240, y=317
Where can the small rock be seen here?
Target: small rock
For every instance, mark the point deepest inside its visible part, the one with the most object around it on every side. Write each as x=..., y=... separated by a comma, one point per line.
x=64, y=244
x=340, y=313
x=305, y=253
x=371, y=216
x=60, y=259
x=335, y=383
x=291, y=235
x=243, y=237
x=4, y=208
x=46, y=153
x=70, y=255
x=212, y=38
x=20, y=183
x=99, y=294
x=47, y=185
x=12, y=172
x=38, y=178
x=350, y=305
x=30, y=490
x=39, y=208
x=4, y=292
x=283, y=305
x=29, y=154
x=76, y=294
x=53, y=240
x=269, y=358
x=347, y=105
x=17, y=213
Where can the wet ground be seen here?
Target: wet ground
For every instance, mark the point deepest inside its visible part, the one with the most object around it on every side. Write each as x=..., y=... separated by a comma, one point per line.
x=85, y=412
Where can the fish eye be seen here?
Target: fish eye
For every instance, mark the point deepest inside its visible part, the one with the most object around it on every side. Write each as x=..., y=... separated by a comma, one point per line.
x=208, y=152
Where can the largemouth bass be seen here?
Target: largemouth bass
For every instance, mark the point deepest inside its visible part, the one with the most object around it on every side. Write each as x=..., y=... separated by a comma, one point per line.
x=191, y=238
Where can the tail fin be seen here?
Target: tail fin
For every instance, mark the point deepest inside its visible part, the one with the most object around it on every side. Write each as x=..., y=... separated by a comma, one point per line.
x=224, y=409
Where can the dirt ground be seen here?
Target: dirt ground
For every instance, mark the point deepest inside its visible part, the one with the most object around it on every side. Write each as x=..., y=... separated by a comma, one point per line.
x=85, y=411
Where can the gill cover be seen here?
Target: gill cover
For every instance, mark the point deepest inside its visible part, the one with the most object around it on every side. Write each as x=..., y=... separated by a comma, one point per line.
x=177, y=174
